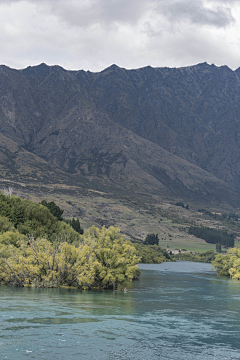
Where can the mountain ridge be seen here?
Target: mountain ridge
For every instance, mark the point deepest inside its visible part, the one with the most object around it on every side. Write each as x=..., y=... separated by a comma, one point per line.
x=173, y=132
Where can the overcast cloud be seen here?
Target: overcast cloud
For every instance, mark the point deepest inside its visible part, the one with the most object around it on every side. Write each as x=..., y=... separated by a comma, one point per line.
x=93, y=34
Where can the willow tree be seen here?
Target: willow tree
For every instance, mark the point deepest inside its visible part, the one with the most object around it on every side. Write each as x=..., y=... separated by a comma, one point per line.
x=229, y=264
x=102, y=259
x=118, y=258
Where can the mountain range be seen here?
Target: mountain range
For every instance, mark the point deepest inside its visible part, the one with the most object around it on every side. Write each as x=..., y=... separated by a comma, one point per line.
x=170, y=132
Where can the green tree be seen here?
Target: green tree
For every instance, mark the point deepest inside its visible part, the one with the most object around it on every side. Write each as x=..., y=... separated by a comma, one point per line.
x=212, y=236
x=180, y=203
x=152, y=254
x=27, y=217
x=75, y=224
x=218, y=248
x=53, y=208
x=151, y=239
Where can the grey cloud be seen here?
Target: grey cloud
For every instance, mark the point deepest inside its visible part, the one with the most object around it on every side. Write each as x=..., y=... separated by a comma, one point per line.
x=100, y=11
x=121, y=10
x=85, y=13
x=92, y=34
x=196, y=12
x=227, y=2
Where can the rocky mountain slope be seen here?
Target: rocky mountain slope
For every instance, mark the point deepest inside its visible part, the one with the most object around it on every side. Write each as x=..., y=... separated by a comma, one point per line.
x=168, y=132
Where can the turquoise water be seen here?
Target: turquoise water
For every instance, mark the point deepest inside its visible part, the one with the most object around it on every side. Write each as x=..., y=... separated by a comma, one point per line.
x=175, y=311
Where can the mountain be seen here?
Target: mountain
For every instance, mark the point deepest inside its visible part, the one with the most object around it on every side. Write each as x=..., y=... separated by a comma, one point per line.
x=171, y=132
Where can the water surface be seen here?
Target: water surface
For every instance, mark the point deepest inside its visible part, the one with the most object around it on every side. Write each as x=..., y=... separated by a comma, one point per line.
x=175, y=311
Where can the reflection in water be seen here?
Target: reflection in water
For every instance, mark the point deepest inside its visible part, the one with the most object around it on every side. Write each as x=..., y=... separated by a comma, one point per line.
x=175, y=311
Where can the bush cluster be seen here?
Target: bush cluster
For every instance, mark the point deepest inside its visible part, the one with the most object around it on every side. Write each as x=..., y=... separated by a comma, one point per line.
x=101, y=259
x=39, y=249
x=27, y=217
x=152, y=254
x=206, y=257
x=229, y=264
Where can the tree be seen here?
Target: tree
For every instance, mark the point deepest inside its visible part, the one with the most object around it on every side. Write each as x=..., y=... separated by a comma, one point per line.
x=27, y=217
x=40, y=263
x=234, y=270
x=228, y=265
x=118, y=258
x=151, y=239
x=53, y=208
x=75, y=224
x=5, y=225
x=212, y=236
x=218, y=248
x=152, y=254
x=102, y=259
x=180, y=203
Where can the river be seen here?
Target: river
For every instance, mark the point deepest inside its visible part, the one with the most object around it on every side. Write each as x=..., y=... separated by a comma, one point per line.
x=176, y=310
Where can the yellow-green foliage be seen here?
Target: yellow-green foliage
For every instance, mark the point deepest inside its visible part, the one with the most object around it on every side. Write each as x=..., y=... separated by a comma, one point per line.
x=228, y=265
x=65, y=232
x=11, y=239
x=118, y=258
x=102, y=259
x=206, y=257
x=152, y=254
x=5, y=225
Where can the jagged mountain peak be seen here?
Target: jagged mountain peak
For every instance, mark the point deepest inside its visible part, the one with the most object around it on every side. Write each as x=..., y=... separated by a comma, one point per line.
x=124, y=127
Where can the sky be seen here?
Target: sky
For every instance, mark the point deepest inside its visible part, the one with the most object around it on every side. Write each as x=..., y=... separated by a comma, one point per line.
x=94, y=34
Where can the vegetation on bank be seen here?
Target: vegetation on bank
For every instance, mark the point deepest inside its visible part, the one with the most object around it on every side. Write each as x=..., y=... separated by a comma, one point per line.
x=229, y=264
x=57, y=212
x=206, y=257
x=100, y=259
x=37, y=248
x=25, y=217
x=152, y=254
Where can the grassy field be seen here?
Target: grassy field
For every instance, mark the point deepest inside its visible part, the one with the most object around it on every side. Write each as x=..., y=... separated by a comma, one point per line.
x=190, y=245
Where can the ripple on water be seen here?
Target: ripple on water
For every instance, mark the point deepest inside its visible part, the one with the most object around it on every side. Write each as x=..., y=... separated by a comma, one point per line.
x=175, y=311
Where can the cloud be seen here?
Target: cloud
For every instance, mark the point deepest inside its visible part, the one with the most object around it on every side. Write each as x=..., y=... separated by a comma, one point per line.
x=106, y=12
x=93, y=34
x=87, y=12
x=84, y=13
x=197, y=12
